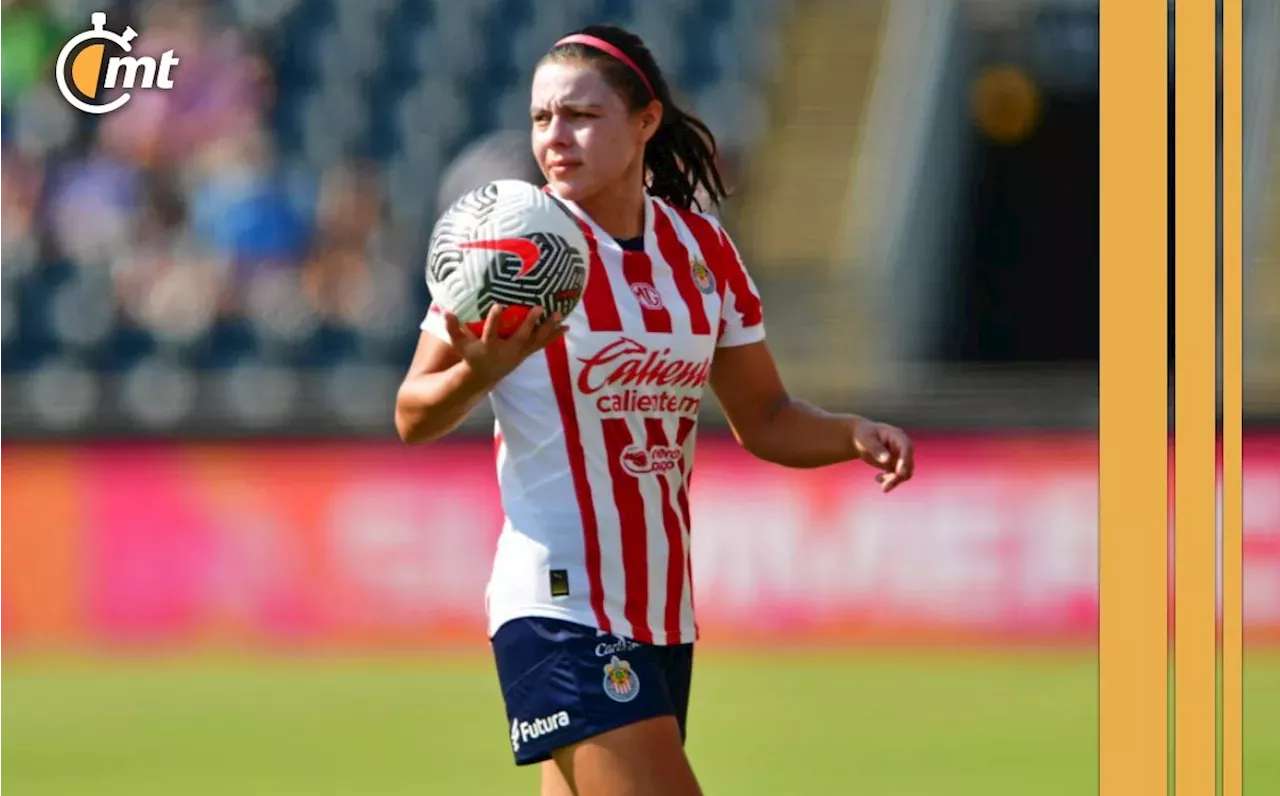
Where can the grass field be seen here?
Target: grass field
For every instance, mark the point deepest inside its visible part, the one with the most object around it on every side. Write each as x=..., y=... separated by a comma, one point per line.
x=785, y=723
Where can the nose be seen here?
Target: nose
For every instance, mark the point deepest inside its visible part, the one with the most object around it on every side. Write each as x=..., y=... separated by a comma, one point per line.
x=557, y=133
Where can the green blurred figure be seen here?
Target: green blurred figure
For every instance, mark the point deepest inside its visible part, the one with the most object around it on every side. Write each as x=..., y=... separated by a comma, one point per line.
x=29, y=44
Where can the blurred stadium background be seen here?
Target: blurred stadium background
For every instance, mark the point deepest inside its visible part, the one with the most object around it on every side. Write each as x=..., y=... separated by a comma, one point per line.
x=223, y=573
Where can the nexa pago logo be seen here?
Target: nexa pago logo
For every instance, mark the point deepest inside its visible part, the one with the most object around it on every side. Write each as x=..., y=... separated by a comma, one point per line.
x=86, y=69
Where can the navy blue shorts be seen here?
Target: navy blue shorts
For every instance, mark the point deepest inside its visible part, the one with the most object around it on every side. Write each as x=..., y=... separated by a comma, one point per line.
x=564, y=682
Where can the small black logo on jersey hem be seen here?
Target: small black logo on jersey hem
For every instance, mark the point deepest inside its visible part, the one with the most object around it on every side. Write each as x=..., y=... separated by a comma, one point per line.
x=559, y=583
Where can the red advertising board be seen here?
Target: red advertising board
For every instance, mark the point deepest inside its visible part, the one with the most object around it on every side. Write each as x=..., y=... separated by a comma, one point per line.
x=355, y=544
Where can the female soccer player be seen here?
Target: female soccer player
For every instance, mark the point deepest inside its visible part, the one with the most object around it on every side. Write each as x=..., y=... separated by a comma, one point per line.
x=590, y=602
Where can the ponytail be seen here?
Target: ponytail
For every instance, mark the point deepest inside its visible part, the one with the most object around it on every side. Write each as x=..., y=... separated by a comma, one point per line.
x=680, y=158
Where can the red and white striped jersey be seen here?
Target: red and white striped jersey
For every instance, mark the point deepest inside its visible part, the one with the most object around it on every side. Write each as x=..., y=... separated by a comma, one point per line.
x=595, y=434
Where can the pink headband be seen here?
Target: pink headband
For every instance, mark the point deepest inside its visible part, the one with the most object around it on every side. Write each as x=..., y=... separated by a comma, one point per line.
x=604, y=46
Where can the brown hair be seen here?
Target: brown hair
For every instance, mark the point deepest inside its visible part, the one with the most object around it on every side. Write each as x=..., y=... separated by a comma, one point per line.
x=680, y=158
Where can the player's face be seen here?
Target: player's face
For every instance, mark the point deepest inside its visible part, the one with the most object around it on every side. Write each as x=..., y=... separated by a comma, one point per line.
x=586, y=140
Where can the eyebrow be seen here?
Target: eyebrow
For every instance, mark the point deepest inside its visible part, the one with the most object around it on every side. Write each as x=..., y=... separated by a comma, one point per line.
x=570, y=105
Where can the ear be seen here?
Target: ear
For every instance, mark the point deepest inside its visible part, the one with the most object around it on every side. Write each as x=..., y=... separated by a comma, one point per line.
x=650, y=120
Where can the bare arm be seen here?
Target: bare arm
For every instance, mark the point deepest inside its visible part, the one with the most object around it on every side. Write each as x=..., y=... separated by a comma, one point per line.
x=438, y=393
x=447, y=380
x=777, y=428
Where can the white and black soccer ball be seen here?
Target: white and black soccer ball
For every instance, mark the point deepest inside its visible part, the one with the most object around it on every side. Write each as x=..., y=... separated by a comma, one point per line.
x=507, y=242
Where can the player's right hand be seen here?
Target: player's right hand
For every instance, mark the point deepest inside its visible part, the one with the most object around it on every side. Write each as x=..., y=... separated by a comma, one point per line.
x=493, y=357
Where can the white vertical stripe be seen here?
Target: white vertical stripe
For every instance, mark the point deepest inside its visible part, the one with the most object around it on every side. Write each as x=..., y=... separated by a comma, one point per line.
x=658, y=550
x=501, y=457
x=730, y=307
x=665, y=282
x=687, y=628
x=675, y=484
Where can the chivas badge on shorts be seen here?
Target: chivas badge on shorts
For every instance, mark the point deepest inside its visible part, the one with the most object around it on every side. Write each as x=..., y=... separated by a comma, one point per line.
x=621, y=684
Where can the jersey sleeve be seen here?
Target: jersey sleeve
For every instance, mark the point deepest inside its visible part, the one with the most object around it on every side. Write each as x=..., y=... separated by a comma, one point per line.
x=741, y=312
x=433, y=323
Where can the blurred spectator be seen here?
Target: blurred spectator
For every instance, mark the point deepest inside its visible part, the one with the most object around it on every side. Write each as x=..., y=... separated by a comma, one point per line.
x=91, y=202
x=42, y=124
x=177, y=293
x=29, y=44
x=163, y=282
x=240, y=209
x=220, y=87
x=23, y=181
x=349, y=210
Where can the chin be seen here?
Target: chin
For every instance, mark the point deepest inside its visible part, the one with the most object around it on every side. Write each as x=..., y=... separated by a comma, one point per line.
x=572, y=189
x=565, y=189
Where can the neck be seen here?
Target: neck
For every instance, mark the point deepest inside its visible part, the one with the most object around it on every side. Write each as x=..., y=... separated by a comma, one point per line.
x=619, y=210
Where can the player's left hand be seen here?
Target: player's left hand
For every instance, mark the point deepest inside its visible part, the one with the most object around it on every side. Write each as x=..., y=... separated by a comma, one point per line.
x=887, y=448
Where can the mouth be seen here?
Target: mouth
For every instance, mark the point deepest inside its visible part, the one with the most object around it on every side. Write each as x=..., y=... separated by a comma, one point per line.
x=562, y=168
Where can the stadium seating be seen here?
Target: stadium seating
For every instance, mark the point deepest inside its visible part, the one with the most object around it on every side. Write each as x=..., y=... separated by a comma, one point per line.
x=233, y=338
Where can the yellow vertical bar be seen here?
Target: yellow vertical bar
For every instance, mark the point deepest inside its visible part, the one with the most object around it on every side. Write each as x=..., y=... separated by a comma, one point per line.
x=1195, y=391
x=1232, y=392
x=1133, y=399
